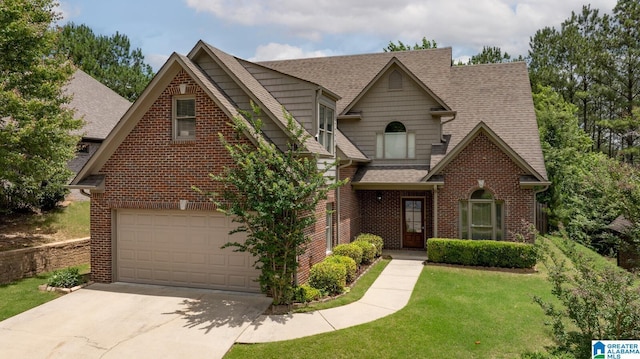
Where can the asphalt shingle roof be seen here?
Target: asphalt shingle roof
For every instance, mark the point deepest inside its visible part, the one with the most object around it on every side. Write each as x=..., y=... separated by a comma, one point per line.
x=497, y=94
x=99, y=106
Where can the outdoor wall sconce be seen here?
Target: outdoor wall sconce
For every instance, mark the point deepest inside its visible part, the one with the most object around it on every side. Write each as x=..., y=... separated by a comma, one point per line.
x=481, y=183
x=183, y=204
x=379, y=196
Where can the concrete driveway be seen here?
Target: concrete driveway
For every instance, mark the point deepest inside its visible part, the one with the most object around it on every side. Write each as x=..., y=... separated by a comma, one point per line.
x=131, y=321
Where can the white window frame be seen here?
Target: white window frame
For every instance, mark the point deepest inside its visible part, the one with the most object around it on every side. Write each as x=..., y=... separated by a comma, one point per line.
x=326, y=135
x=329, y=227
x=410, y=144
x=497, y=219
x=176, y=119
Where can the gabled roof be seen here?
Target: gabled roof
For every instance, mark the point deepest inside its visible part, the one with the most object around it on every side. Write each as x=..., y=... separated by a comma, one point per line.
x=255, y=90
x=481, y=127
x=98, y=105
x=348, y=76
x=497, y=94
x=174, y=64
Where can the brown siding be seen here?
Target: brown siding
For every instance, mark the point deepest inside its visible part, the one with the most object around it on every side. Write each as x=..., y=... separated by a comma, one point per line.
x=482, y=159
x=297, y=96
x=239, y=97
x=379, y=106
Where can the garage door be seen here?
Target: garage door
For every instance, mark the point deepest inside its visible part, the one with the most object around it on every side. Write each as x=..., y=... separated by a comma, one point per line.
x=181, y=248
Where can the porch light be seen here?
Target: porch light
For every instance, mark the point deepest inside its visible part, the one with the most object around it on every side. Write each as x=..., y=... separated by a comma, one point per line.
x=379, y=196
x=183, y=204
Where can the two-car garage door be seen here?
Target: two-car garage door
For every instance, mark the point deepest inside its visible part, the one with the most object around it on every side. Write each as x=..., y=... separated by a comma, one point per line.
x=181, y=248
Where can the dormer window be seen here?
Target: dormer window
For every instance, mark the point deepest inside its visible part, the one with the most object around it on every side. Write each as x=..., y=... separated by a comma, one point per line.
x=396, y=142
x=395, y=80
x=325, y=127
x=184, y=118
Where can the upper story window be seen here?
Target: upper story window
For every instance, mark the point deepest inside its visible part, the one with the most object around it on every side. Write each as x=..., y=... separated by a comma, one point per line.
x=395, y=80
x=481, y=217
x=325, y=127
x=396, y=142
x=184, y=118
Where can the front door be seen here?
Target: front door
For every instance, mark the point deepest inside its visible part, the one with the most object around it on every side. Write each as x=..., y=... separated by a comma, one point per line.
x=413, y=223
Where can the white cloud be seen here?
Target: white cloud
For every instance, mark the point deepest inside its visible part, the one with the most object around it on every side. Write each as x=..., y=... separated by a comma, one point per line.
x=67, y=11
x=275, y=51
x=156, y=60
x=461, y=23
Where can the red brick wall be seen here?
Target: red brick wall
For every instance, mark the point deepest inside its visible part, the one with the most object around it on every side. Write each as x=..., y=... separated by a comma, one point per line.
x=384, y=217
x=482, y=159
x=151, y=171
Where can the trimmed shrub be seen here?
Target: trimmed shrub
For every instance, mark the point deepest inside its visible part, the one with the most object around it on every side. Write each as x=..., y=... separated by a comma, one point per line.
x=65, y=278
x=306, y=293
x=373, y=239
x=329, y=277
x=348, y=263
x=485, y=253
x=368, y=251
x=350, y=250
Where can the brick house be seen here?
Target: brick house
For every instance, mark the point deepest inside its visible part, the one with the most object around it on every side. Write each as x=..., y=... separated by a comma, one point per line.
x=431, y=150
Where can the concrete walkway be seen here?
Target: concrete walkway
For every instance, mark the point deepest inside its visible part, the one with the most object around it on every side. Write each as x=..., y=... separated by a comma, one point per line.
x=388, y=294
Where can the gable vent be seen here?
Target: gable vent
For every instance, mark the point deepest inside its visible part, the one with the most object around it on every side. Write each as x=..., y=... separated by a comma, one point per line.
x=395, y=80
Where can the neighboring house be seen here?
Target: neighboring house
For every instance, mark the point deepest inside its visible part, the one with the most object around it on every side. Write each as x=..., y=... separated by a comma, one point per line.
x=431, y=150
x=100, y=108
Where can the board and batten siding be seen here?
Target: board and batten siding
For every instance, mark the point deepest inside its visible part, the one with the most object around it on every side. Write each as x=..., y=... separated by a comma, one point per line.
x=410, y=105
x=239, y=97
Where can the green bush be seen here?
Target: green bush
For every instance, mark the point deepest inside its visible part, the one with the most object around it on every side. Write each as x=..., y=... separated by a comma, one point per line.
x=348, y=263
x=306, y=293
x=373, y=239
x=484, y=253
x=65, y=278
x=350, y=250
x=329, y=277
x=368, y=251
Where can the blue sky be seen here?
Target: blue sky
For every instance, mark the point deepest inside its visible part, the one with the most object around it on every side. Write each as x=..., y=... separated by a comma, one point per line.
x=278, y=29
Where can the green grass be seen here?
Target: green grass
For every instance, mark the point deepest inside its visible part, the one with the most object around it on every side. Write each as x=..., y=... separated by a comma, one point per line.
x=72, y=221
x=354, y=294
x=453, y=313
x=598, y=261
x=22, y=295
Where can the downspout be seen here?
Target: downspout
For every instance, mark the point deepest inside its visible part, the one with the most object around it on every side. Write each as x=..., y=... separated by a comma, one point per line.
x=338, y=200
x=435, y=211
x=445, y=122
x=82, y=192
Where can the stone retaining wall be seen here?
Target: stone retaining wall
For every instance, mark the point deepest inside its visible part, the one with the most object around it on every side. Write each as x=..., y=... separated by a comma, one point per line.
x=28, y=262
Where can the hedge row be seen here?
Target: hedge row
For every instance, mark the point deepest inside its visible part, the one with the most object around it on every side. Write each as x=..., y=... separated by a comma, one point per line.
x=485, y=253
x=330, y=276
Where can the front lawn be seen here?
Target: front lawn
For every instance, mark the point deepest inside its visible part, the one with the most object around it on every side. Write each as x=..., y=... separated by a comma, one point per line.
x=22, y=295
x=453, y=313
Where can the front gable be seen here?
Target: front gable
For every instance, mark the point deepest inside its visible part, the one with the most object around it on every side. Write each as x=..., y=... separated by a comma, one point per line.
x=394, y=95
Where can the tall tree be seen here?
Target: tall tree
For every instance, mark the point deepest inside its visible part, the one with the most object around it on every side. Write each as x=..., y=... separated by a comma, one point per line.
x=622, y=74
x=273, y=195
x=400, y=46
x=109, y=59
x=35, y=127
x=492, y=55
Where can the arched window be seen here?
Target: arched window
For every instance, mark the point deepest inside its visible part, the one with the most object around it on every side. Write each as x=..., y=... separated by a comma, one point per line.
x=482, y=217
x=395, y=142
